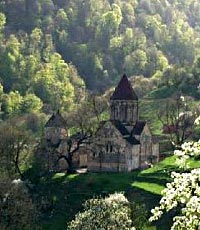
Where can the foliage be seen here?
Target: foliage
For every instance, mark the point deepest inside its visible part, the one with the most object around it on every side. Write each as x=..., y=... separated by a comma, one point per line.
x=31, y=103
x=100, y=39
x=84, y=121
x=188, y=150
x=183, y=192
x=15, y=146
x=177, y=116
x=66, y=193
x=16, y=206
x=112, y=212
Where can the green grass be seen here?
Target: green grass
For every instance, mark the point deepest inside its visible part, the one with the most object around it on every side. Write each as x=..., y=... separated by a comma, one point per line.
x=193, y=163
x=66, y=193
x=148, y=111
x=149, y=187
x=163, y=92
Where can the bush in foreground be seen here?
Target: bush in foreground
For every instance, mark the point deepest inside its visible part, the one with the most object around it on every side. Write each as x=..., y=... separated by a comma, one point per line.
x=111, y=213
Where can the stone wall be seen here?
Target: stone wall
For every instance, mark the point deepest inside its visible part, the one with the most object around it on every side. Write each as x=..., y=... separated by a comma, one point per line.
x=55, y=134
x=111, y=152
x=124, y=110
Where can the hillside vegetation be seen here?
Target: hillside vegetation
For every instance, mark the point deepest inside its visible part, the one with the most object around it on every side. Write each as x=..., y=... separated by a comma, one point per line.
x=68, y=55
x=50, y=49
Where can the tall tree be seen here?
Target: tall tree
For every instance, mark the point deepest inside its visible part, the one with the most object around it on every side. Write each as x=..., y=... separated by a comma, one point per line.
x=15, y=146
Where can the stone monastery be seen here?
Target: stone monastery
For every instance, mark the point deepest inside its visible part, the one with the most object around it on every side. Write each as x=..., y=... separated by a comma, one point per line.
x=121, y=144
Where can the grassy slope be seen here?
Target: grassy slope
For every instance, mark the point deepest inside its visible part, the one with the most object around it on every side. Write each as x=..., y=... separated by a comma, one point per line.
x=148, y=110
x=67, y=193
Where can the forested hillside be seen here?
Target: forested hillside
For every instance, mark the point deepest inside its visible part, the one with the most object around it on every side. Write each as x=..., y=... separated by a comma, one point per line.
x=68, y=55
x=47, y=47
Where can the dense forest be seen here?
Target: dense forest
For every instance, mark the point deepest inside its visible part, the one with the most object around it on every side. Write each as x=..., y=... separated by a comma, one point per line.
x=68, y=55
x=50, y=51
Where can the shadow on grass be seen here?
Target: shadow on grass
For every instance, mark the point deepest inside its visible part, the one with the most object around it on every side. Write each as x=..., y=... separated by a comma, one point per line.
x=151, y=179
x=150, y=200
x=61, y=195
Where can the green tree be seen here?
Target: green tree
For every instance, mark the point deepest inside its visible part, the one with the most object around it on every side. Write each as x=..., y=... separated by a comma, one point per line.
x=14, y=147
x=10, y=63
x=61, y=20
x=11, y=103
x=31, y=103
x=135, y=63
x=35, y=42
x=108, y=25
x=16, y=206
x=2, y=23
x=52, y=83
x=177, y=116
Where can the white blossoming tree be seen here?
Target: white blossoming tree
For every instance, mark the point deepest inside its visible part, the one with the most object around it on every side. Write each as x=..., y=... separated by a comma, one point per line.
x=188, y=150
x=112, y=212
x=183, y=192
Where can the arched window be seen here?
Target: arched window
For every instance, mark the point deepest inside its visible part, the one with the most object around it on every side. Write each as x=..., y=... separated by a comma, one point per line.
x=109, y=147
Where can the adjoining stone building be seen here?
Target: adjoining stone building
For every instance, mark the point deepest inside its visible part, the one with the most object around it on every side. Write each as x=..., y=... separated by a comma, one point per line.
x=123, y=143
x=56, y=145
x=55, y=130
x=55, y=133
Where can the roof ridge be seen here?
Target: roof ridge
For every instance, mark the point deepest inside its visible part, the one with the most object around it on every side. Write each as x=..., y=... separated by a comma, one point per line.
x=138, y=127
x=124, y=90
x=56, y=120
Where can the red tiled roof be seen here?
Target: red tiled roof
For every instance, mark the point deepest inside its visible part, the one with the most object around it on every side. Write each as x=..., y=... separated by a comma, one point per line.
x=124, y=90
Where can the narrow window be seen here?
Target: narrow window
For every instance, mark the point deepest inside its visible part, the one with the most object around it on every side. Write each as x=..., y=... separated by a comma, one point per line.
x=107, y=147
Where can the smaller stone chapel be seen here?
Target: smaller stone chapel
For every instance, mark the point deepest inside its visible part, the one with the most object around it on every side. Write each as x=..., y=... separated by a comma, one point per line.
x=124, y=142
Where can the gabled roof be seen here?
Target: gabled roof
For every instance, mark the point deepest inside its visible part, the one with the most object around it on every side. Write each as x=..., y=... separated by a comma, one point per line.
x=138, y=128
x=132, y=140
x=56, y=120
x=122, y=129
x=125, y=133
x=124, y=90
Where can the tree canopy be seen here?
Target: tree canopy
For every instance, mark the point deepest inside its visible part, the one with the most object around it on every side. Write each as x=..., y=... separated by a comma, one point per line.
x=45, y=45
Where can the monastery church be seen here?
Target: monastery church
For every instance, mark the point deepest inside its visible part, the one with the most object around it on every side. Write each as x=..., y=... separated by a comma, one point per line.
x=121, y=144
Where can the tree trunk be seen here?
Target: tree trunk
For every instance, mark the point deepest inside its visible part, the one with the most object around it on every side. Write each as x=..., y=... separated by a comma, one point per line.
x=71, y=168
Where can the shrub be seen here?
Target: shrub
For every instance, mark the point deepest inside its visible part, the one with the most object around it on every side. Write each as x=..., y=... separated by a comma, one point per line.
x=110, y=213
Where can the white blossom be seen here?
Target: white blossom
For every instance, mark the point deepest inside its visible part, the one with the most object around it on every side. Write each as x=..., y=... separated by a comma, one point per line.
x=183, y=191
x=188, y=149
x=110, y=213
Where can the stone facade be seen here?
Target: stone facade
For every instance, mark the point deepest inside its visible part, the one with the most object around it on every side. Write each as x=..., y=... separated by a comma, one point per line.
x=123, y=143
x=55, y=129
x=56, y=145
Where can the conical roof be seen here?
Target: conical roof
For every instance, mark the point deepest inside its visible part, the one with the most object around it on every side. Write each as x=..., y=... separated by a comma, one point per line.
x=56, y=120
x=124, y=90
